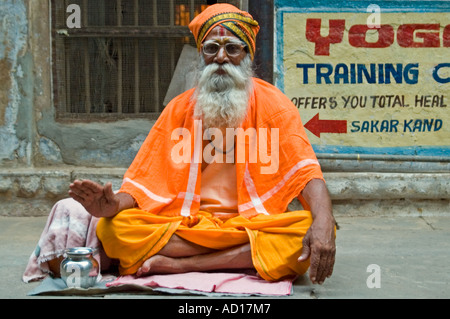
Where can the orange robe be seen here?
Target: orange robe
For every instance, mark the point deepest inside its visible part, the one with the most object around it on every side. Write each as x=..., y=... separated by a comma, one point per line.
x=168, y=192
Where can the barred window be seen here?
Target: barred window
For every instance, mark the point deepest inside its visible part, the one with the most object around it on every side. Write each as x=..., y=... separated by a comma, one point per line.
x=120, y=62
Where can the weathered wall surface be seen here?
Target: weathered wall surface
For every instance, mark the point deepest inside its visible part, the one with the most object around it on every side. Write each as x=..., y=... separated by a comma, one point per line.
x=29, y=134
x=15, y=83
x=368, y=78
x=40, y=156
x=371, y=83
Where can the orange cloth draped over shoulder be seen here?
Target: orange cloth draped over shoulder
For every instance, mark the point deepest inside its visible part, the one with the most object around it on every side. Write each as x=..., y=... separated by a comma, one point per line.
x=165, y=180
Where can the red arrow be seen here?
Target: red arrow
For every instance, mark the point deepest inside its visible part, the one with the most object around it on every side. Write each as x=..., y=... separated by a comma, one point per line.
x=317, y=126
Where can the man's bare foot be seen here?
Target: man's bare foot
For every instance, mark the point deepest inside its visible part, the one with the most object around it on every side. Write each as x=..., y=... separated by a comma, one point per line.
x=233, y=258
x=159, y=264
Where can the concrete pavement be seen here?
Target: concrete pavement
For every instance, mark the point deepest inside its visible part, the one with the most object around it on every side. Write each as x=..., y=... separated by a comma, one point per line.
x=377, y=257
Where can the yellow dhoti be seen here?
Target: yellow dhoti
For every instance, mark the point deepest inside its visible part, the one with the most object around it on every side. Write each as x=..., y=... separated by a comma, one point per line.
x=135, y=235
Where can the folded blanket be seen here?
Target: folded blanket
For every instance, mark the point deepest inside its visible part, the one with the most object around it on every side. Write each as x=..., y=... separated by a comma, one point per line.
x=68, y=225
x=223, y=283
x=195, y=283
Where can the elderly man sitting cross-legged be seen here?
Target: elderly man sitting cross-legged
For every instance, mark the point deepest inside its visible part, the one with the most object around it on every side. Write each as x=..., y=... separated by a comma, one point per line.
x=210, y=186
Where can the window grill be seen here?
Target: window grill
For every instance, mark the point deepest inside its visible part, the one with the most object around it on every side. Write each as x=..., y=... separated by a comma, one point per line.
x=120, y=63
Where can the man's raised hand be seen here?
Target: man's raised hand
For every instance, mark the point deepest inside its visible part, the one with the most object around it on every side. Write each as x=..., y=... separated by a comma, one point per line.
x=98, y=200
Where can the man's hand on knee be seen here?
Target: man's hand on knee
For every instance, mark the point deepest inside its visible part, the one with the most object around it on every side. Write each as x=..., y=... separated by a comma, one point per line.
x=319, y=245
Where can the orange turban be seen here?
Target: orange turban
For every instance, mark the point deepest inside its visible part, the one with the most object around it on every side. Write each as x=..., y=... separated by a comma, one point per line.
x=238, y=22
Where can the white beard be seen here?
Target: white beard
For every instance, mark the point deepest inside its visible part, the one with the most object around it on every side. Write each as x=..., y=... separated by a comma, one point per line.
x=222, y=99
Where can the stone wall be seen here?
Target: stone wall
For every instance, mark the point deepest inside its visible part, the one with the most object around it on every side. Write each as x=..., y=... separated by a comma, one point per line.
x=32, y=192
x=30, y=134
x=16, y=83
